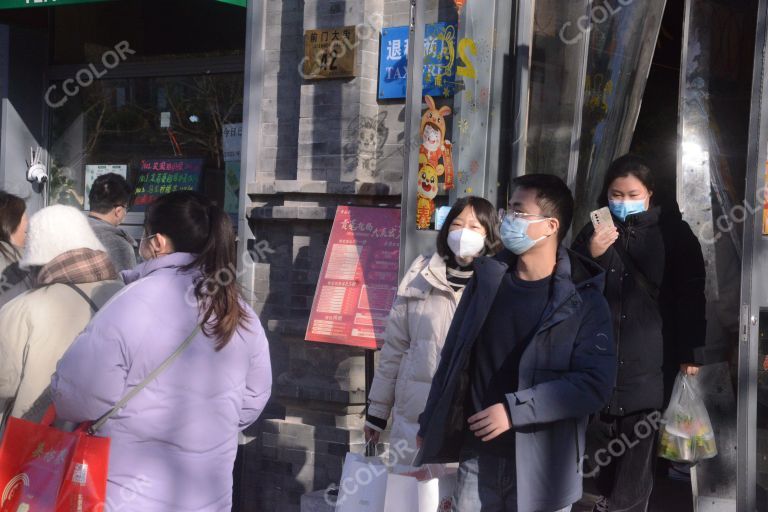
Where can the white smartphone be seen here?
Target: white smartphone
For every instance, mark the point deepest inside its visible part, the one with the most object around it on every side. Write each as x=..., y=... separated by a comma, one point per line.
x=601, y=218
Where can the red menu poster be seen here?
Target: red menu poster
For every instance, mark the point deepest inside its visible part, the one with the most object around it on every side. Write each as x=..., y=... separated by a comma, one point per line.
x=358, y=281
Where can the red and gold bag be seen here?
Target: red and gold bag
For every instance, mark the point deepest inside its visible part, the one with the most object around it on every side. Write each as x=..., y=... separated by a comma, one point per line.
x=43, y=469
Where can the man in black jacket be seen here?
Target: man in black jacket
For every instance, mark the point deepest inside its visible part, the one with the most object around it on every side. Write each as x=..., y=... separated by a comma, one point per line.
x=528, y=357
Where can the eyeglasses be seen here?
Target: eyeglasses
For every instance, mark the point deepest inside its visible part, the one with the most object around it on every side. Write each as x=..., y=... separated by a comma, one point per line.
x=521, y=215
x=144, y=238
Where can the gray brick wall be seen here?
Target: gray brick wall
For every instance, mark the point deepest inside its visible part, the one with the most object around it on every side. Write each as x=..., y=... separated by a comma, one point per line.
x=325, y=143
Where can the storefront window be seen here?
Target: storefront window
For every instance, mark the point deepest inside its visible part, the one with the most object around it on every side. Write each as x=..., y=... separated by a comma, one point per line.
x=137, y=125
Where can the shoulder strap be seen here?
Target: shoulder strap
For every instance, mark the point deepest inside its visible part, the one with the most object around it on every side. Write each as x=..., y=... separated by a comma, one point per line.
x=645, y=284
x=152, y=376
x=85, y=296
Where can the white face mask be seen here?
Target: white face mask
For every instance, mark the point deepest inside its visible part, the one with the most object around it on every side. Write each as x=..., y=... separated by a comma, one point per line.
x=466, y=243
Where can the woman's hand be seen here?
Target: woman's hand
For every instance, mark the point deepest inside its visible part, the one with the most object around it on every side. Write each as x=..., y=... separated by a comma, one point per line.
x=690, y=369
x=601, y=240
x=371, y=435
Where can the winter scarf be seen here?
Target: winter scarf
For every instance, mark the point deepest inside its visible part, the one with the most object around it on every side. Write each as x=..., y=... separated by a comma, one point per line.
x=77, y=266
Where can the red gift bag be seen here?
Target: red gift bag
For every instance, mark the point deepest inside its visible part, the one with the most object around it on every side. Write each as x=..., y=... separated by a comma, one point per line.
x=43, y=469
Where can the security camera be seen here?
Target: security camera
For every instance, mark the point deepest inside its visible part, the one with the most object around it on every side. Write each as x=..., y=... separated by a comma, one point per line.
x=37, y=172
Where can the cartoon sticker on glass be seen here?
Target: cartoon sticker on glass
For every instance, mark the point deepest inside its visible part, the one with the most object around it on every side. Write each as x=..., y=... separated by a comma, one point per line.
x=434, y=161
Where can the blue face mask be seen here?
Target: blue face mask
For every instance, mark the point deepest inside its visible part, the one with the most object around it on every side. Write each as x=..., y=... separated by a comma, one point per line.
x=514, y=234
x=623, y=209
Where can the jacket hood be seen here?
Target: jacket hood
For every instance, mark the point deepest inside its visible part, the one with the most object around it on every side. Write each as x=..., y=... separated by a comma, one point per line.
x=573, y=273
x=55, y=230
x=570, y=266
x=584, y=271
x=174, y=260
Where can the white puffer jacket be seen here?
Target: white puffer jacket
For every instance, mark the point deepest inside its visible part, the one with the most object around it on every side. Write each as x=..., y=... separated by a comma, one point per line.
x=416, y=330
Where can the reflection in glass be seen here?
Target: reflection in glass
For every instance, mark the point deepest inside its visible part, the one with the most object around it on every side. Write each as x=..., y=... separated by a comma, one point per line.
x=556, y=84
x=621, y=45
x=125, y=120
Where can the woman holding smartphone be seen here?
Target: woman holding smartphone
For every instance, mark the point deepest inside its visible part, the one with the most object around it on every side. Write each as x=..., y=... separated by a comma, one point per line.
x=655, y=287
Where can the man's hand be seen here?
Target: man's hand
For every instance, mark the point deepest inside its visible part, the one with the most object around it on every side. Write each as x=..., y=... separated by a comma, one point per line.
x=690, y=369
x=371, y=435
x=490, y=423
x=601, y=240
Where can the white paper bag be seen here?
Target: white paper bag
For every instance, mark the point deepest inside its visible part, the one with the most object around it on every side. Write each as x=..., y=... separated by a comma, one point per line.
x=419, y=492
x=363, y=484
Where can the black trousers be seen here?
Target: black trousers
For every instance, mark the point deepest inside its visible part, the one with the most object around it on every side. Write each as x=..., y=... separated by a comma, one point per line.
x=621, y=455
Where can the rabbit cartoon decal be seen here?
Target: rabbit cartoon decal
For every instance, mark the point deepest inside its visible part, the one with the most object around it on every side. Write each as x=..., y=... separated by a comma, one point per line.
x=434, y=161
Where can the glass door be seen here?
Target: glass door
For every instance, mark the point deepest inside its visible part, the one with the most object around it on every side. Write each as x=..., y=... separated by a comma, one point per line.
x=459, y=80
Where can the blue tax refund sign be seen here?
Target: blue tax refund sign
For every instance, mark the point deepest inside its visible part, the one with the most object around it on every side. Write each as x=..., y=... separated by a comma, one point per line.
x=439, y=61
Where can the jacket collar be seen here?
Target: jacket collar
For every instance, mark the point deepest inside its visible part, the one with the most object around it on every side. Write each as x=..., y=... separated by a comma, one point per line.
x=641, y=220
x=12, y=250
x=573, y=273
x=432, y=275
x=174, y=260
x=95, y=221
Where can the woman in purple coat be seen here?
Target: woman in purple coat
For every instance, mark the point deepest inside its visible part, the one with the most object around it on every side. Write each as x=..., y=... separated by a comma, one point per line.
x=173, y=446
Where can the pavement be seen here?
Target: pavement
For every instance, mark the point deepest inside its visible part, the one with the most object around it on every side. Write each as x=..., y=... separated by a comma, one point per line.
x=668, y=495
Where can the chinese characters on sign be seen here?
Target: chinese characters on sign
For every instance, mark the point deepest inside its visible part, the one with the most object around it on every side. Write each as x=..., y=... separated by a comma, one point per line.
x=232, y=139
x=162, y=176
x=439, y=61
x=330, y=53
x=359, y=278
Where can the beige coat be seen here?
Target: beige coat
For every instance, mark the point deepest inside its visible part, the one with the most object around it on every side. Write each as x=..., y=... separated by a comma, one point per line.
x=5, y=262
x=416, y=331
x=10, y=285
x=36, y=329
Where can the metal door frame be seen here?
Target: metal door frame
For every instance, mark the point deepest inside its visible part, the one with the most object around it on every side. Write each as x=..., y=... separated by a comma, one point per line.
x=754, y=294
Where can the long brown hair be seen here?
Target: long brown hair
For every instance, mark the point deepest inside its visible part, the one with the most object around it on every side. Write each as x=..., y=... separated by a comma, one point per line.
x=196, y=225
x=12, y=209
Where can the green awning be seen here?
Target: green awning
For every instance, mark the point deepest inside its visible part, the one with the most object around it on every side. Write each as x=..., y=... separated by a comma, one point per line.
x=20, y=4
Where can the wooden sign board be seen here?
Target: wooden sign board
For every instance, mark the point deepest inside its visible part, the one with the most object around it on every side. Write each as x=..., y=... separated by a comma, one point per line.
x=330, y=53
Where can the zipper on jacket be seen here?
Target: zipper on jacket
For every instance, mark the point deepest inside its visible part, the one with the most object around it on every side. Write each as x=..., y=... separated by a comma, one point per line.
x=614, y=400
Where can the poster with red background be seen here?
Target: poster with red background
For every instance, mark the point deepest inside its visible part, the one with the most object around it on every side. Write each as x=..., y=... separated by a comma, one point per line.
x=359, y=278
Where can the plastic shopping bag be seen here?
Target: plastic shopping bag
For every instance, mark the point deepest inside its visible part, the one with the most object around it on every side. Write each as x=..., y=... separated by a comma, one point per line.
x=43, y=469
x=429, y=489
x=686, y=434
x=363, y=484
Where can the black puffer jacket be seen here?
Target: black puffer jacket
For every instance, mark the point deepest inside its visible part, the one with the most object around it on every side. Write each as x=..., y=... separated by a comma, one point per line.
x=658, y=321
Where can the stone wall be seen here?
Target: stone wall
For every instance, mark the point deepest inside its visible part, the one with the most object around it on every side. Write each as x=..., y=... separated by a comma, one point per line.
x=325, y=143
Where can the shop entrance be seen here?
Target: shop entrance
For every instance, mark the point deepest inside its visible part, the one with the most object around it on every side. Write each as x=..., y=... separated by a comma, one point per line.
x=570, y=87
